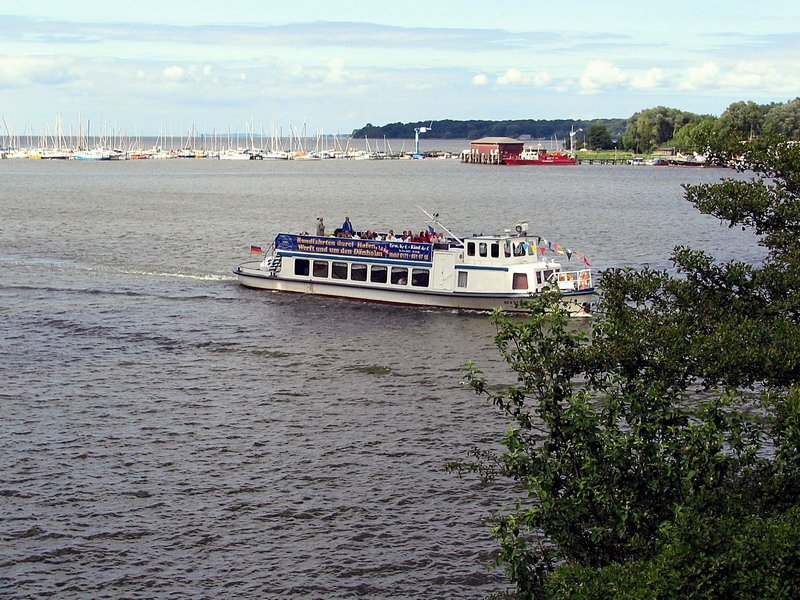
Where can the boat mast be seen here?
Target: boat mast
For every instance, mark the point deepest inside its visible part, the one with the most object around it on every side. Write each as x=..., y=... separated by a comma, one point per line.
x=435, y=218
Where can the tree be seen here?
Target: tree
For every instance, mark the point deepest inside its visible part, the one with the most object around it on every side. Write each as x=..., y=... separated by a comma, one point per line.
x=599, y=137
x=697, y=136
x=784, y=120
x=652, y=127
x=663, y=458
x=744, y=120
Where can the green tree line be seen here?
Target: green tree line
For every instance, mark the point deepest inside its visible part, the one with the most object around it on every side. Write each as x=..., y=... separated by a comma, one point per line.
x=642, y=132
x=472, y=130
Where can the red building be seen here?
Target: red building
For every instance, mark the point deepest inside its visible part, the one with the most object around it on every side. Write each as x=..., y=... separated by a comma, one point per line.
x=492, y=150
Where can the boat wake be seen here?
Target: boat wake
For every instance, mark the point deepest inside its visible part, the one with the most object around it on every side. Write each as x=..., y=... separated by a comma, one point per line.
x=204, y=277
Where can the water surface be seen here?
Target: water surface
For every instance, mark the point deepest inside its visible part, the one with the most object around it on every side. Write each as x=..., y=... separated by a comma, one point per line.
x=167, y=432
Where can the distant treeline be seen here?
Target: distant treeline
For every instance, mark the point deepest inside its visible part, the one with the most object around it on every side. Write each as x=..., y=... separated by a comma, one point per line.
x=472, y=130
x=642, y=132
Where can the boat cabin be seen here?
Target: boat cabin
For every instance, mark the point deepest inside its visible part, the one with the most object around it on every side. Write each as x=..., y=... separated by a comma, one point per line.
x=478, y=264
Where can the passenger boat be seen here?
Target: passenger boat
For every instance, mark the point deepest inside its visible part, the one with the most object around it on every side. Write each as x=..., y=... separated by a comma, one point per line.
x=479, y=272
x=540, y=156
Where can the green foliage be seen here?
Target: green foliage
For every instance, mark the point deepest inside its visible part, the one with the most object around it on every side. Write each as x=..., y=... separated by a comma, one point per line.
x=730, y=557
x=784, y=120
x=697, y=136
x=744, y=120
x=641, y=133
x=599, y=137
x=663, y=458
x=472, y=130
x=653, y=127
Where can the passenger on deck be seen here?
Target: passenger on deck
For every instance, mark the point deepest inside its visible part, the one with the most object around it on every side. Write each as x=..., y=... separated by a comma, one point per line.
x=320, y=227
x=390, y=236
x=347, y=226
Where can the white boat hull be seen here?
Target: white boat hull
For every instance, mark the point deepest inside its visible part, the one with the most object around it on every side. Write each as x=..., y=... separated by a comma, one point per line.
x=252, y=276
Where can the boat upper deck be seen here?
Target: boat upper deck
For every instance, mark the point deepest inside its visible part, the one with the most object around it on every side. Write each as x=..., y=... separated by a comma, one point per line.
x=479, y=249
x=355, y=248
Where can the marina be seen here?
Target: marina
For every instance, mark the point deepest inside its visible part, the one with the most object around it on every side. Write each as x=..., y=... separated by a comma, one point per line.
x=52, y=143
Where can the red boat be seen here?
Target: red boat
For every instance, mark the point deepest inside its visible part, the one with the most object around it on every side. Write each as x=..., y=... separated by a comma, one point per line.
x=540, y=156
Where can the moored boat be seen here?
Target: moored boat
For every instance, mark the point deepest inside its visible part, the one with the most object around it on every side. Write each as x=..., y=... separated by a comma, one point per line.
x=689, y=160
x=540, y=156
x=479, y=272
x=94, y=154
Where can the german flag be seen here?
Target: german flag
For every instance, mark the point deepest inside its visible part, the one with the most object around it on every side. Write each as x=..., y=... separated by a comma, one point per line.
x=256, y=250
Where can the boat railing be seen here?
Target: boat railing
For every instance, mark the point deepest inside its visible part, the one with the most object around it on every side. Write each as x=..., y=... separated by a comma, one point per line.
x=568, y=281
x=269, y=253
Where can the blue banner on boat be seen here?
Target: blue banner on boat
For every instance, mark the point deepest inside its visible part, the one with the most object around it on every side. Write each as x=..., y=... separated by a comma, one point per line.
x=355, y=248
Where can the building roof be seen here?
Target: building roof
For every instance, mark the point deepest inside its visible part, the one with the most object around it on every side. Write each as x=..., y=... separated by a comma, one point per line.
x=496, y=140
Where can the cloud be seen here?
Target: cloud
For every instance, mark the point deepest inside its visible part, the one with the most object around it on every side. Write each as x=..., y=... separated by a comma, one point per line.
x=480, y=80
x=26, y=70
x=744, y=77
x=651, y=79
x=174, y=72
x=600, y=75
x=515, y=77
x=291, y=35
x=701, y=77
x=334, y=73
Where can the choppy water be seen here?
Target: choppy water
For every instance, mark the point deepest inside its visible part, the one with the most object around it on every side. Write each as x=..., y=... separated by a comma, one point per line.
x=168, y=433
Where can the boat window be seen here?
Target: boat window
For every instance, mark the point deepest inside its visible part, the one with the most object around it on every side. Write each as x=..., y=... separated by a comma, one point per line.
x=378, y=274
x=339, y=270
x=420, y=277
x=358, y=272
x=320, y=268
x=507, y=248
x=482, y=249
x=539, y=277
x=520, y=281
x=519, y=249
x=547, y=274
x=301, y=266
x=470, y=248
x=462, y=279
x=399, y=275
x=495, y=250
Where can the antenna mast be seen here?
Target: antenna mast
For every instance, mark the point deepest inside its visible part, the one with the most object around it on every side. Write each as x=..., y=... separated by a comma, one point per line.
x=435, y=218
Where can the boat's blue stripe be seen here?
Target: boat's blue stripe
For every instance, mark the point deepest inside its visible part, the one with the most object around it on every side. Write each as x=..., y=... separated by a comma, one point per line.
x=480, y=268
x=336, y=257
